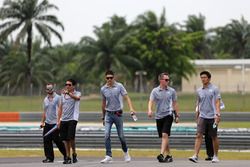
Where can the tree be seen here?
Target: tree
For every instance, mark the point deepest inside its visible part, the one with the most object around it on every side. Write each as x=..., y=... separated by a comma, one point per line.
x=196, y=24
x=24, y=16
x=14, y=69
x=234, y=38
x=161, y=47
x=107, y=51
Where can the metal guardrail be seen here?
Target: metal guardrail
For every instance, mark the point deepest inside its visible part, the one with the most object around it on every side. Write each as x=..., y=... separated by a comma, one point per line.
x=149, y=139
x=142, y=116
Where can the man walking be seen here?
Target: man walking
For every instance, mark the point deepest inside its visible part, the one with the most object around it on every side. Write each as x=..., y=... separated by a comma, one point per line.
x=165, y=99
x=207, y=115
x=68, y=117
x=49, y=120
x=112, y=105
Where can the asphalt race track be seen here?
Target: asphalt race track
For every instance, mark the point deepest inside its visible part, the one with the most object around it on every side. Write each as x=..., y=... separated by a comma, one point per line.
x=138, y=162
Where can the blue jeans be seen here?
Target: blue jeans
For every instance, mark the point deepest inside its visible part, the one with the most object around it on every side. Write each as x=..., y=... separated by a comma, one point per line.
x=111, y=118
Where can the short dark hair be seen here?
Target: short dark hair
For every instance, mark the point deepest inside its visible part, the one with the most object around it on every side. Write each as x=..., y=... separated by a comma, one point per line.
x=162, y=74
x=208, y=74
x=109, y=72
x=72, y=81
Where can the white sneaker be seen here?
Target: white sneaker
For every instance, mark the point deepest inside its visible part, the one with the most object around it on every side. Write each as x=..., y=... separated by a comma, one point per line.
x=194, y=159
x=107, y=159
x=127, y=157
x=215, y=159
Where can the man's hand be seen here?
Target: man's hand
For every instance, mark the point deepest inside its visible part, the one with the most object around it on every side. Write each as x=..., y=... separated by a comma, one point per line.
x=150, y=114
x=58, y=125
x=42, y=125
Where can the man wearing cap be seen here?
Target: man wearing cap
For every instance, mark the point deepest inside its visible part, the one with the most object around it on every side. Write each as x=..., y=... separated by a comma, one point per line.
x=49, y=120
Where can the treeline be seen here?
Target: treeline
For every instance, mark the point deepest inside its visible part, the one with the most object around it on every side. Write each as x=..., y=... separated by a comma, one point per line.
x=149, y=44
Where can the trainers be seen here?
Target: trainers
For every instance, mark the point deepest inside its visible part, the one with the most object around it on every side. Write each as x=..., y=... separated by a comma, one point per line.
x=208, y=159
x=74, y=158
x=160, y=158
x=194, y=159
x=215, y=159
x=67, y=161
x=127, y=157
x=47, y=160
x=169, y=158
x=107, y=159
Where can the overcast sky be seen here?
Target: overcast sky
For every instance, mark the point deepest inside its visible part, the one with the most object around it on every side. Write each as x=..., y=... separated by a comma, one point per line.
x=79, y=16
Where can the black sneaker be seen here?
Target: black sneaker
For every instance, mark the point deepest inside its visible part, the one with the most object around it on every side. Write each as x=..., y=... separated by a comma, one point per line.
x=169, y=158
x=47, y=160
x=161, y=158
x=67, y=161
x=208, y=159
x=74, y=158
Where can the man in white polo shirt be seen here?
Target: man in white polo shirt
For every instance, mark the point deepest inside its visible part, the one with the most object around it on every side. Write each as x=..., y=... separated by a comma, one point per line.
x=207, y=115
x=165, y=99
x=68, y=117
x=49, y=120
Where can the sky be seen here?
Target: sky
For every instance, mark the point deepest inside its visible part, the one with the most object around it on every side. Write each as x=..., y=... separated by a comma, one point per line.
x=80, y=16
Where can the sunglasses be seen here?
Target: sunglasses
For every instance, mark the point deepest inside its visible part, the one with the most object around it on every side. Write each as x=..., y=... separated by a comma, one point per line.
x=166, y=80
x=109, y=78
x=68, y=84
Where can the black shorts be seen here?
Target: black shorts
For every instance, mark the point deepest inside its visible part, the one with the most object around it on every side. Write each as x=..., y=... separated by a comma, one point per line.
x=164, y=125
x=68, y=130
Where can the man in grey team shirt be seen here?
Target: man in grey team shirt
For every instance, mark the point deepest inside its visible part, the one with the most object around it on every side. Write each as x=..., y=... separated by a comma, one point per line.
x=112, y=93
x=49, y=120
x=165, y=99
x=207, y=115
x=68, y=117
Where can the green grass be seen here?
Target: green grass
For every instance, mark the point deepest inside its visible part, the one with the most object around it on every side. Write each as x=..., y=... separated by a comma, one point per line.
x=146, y=153
x=233, y=102
x=234, y=124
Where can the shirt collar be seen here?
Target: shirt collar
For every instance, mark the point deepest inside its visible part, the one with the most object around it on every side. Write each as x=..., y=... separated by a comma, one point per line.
x=161, y=89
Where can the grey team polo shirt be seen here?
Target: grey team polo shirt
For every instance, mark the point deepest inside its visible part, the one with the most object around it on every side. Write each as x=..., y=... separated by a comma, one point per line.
x=163, y=99
x=70, y=107
x=113, y=96
x=206, y=98
x=50, y=108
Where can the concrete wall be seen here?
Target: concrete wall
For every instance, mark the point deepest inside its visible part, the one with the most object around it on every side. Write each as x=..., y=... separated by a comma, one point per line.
x=227, y=78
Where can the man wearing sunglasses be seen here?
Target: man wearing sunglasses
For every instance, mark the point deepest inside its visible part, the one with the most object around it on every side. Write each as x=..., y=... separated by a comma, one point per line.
x=68, y=117
x=165, y=99
x=112, y=105
x=49, y=120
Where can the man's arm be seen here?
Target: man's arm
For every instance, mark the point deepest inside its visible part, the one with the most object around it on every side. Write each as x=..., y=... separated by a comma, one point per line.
x=74, y=96
x=43, y=120
x=150, y=104
x=59, y=116
x=217, y=114
x=176, y=109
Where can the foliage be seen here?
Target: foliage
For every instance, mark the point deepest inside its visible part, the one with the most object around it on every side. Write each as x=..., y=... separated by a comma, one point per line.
x=234, y=39
x=25, y=16
x=160, y=47
x=107, y=51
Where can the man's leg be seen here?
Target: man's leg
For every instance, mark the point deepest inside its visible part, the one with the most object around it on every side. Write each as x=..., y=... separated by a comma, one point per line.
x=59, y=143
x=209, y=146
x=198, y=142
x=164, y=144
x=48, y=145
x=108, y=125
x=215, y=145
x=119, y=127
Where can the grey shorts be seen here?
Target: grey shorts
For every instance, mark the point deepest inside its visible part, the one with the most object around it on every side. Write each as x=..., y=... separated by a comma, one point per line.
x=206, y=125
